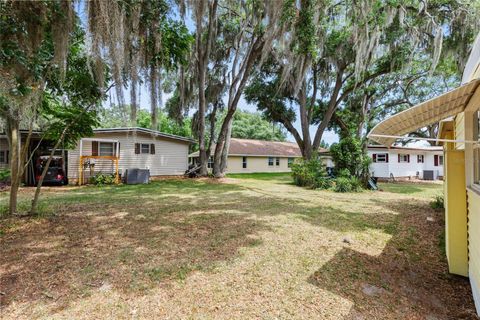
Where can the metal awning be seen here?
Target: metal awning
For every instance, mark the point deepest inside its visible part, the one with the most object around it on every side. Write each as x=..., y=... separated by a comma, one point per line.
x=424, y=114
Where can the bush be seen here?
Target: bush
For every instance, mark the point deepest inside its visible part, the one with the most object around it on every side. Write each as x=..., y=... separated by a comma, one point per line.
x=356, y=184
x=101, y=179
x=343, y=184
x=310, y=173
x=4, y=175
x=351, y=160
x=348, y=184
x=438, y=202
x=323, y=183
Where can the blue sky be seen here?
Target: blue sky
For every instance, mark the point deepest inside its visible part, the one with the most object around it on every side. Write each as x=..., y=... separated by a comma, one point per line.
x=328, y=136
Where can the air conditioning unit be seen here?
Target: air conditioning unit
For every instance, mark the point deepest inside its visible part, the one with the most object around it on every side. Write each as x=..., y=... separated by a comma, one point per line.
x=428, y=175
x=137, y=176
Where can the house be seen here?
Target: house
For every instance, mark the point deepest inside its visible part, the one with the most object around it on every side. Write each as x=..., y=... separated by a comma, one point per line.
x=128, y=148
x=406, y=162
x=108, y=150
x=249, y=156
x=458, y=112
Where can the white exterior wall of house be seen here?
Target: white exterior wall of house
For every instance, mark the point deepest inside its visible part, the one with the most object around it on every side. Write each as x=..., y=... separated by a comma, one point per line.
x=405, y=169
x=170, y=158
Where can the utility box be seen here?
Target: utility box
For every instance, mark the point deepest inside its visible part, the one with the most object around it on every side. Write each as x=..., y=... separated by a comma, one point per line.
x=428, y=175
x=137, y=176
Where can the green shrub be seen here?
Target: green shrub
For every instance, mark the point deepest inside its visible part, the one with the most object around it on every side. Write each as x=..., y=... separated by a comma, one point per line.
x=356, y=184
x=4, y=175
x=438, y=202
x=348, y=184
x=344, y=173
x=323, y=183
x=310, y=173
x=343, y=184
x=101, y=179
x=351, y=159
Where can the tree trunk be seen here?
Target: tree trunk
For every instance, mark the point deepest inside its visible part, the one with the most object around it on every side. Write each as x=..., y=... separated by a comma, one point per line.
x=133, y=104
x=226, y=148
x=153, y=98
x=33, y=209
x=305, y=123
x=203, y=55
x=213, y=120
x=202, y=105
x=15, y=175
x=332, y=106
x=221, y=152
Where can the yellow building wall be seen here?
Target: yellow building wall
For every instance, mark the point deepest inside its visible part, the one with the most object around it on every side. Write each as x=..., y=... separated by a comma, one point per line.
x=455, y=212
x=460, y=130
x=474, y=244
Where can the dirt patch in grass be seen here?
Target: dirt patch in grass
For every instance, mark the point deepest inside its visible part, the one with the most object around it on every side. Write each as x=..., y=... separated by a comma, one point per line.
x=408, y=280
x=239, y=248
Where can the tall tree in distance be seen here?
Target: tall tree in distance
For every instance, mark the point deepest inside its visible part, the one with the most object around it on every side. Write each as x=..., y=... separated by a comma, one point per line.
x=204, y=38
x=251, y=125
x=249, y=28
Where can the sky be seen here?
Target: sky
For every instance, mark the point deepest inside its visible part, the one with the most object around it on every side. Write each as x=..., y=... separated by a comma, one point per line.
x=328, y=136
x=144, y=101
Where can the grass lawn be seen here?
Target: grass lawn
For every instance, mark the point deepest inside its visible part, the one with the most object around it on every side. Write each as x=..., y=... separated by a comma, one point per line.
x=417, y=189
x=248, y=247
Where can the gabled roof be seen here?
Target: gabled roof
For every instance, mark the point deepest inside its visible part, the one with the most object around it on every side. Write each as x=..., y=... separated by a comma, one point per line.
x=146, y=131
x=252, y=147
x=263, y=148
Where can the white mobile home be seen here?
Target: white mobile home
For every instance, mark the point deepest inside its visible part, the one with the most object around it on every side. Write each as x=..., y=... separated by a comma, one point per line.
x=137, y=148
x=406, y=162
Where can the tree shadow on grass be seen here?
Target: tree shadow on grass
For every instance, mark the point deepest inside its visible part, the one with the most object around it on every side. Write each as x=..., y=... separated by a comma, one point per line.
x=132, y=246
x=408, y=280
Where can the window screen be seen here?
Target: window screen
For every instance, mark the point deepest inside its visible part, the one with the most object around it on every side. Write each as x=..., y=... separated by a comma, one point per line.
x=106, y=148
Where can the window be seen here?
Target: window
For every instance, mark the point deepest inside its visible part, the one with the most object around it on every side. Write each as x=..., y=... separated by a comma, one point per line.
x=380, y=157
x=437, y=160
x=244, y=162
x=420, y=158
x=290, y=162
x=270, y=161
x=145, y=148
x=106, y=148
x=3, y=156
x=403, y=158
x=277, y=161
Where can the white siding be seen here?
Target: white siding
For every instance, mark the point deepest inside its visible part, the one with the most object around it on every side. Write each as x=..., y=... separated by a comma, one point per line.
x=405, y=169
x=170, y=156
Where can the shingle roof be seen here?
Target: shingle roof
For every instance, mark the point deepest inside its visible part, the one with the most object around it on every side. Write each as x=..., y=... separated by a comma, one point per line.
x=263, y=148
x=144, y=130
x=253, y=147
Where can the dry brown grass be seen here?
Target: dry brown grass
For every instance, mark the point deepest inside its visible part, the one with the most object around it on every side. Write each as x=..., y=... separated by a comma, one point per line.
x=243, y=248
